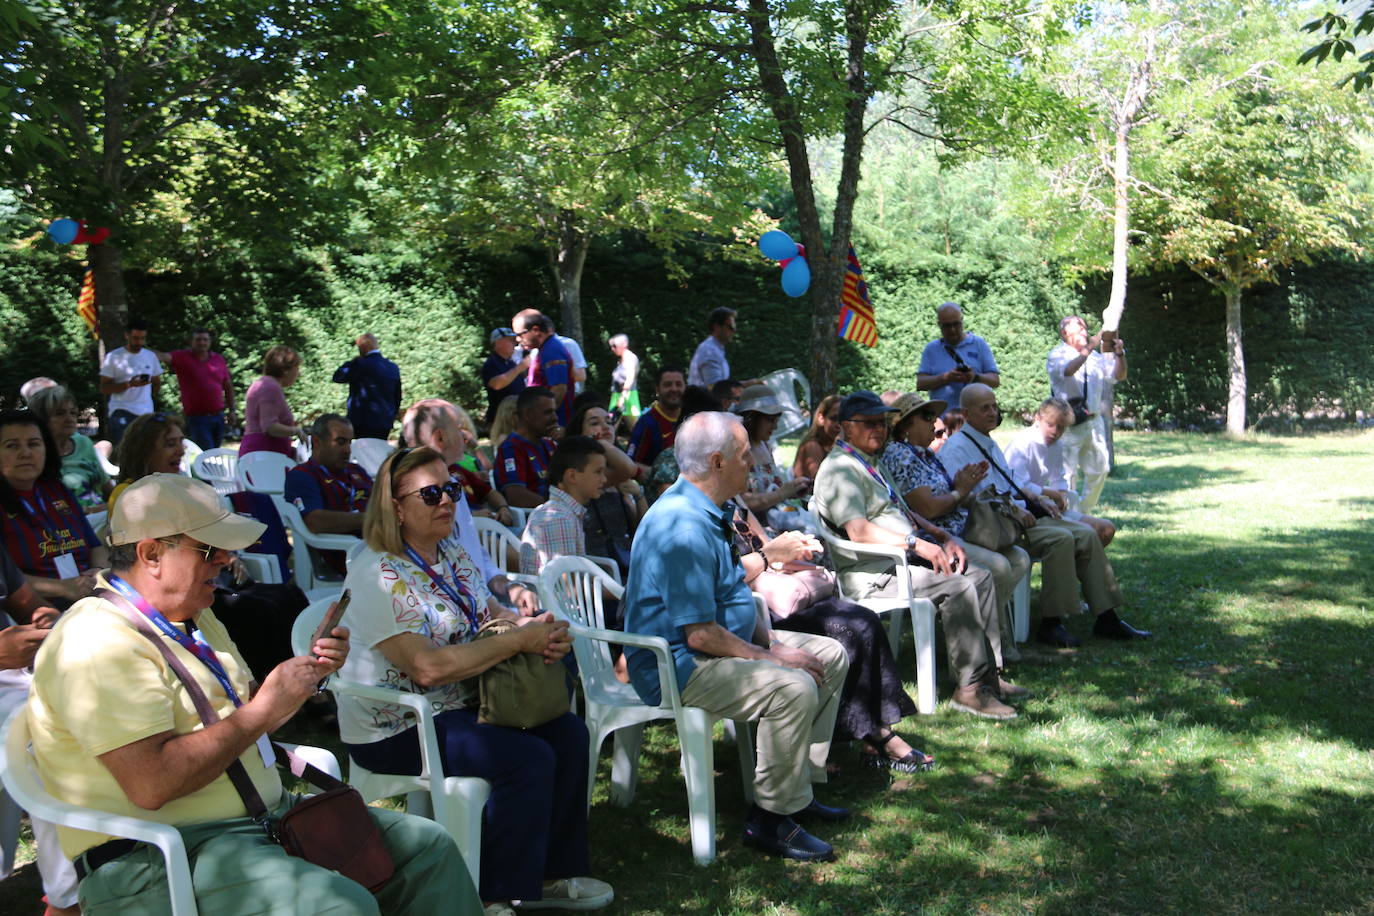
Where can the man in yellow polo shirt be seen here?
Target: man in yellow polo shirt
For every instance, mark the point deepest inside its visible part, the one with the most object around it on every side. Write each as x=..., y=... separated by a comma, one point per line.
x=115, y=729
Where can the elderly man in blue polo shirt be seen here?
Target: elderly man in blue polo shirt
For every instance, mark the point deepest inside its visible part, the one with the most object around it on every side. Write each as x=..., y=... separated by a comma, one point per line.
x=687, y=585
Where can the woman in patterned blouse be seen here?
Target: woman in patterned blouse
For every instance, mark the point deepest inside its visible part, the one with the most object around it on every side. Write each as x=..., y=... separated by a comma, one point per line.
x=928, y=490
x=417, y=603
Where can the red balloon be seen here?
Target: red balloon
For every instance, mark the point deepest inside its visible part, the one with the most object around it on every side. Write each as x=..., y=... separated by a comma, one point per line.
x=87, y=236
x=784, y=262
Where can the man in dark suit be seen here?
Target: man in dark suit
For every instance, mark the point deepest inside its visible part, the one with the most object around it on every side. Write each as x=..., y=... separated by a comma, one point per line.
x=374, y=390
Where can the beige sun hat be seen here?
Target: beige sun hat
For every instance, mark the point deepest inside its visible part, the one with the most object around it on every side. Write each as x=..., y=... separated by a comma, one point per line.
x=908, y=404
x=163, y=505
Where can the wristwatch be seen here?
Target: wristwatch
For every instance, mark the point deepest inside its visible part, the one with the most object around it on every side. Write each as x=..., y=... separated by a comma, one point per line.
x=911, y=541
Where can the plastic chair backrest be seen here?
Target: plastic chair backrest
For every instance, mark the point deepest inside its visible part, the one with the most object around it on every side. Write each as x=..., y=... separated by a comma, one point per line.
x=784, y=384
x=219, y=468
x=575, y=595
x=370, y=453
x=495, y=538
x=190, y=451
x=263, y=472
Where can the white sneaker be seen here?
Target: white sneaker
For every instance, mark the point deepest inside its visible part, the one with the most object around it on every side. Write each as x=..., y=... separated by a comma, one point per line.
x=572, y=894
x=498, y=909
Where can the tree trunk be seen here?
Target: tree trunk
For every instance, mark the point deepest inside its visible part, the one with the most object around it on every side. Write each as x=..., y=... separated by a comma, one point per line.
x=1235, y=364
x=827, y=265
x=111, y=301
x=567, y=262
x=1121, y=227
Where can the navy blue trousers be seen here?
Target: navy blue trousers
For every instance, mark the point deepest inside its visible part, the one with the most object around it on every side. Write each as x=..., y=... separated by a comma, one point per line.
x=535, y=825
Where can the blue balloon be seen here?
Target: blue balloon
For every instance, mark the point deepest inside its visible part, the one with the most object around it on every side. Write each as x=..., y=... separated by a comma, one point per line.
x=62, y=231
x=777, y=245
x=796, y=278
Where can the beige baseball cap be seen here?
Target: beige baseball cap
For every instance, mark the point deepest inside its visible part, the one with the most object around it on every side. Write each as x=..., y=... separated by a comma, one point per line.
x=163, y=505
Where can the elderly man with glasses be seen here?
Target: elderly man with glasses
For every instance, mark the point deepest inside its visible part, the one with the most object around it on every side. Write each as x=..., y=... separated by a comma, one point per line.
x=856, y=497
x=687, y=585
x=957, y=359
x=115, y=727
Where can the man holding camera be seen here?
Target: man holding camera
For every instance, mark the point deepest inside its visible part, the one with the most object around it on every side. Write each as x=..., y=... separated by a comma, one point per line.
x=1082, y=370
x=956, y=359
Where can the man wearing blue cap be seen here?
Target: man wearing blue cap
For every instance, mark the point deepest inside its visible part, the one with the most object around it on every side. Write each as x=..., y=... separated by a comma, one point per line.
x=857, y=499
x=502, y=374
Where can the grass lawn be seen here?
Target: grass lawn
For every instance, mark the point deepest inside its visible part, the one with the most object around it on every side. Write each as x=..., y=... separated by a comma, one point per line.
x=1223, y=766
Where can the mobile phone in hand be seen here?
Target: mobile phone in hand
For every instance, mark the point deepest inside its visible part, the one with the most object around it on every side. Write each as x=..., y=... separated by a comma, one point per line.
x=332, y=618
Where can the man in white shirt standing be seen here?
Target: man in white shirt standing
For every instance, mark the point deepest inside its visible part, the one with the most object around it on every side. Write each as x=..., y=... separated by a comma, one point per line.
x=1037, y=453
x=131, y=376
x=1070, y=555
x=1081, y=375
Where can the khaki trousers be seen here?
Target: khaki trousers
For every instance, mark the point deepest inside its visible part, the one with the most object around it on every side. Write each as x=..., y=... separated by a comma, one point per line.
x=795, y=716
x=1007, y=566
x=1071, y=555
x=968, y=604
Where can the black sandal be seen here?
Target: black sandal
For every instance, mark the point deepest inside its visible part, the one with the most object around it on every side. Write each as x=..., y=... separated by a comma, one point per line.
x=914, y=762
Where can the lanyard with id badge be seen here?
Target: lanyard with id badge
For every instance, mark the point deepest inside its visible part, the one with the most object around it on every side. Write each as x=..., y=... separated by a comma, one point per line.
x=64, y=564
x=150, y=621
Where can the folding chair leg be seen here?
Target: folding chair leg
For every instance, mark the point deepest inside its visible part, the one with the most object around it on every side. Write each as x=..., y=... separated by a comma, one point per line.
x=923, y=634
x=625, y=764
x=698, y=766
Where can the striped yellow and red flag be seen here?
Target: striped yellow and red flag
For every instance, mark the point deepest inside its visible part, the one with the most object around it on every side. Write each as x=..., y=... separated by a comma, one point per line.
x=856, y=312
x=85, y=303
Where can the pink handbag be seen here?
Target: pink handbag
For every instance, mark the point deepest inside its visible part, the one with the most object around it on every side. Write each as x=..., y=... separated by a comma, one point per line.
x=800, y=585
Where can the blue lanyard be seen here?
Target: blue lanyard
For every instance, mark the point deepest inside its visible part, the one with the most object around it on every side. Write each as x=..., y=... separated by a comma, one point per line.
x=466, y=601
x=873, y=472
x=42, y=510
x=196, y=647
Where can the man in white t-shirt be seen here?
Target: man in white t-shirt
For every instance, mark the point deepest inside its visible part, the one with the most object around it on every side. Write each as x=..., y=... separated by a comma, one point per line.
x=1081, y=375
x=131, y=376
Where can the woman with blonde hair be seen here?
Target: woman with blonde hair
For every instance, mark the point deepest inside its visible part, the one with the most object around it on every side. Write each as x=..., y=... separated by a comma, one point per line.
x=418, y=602
x=504, y=423
x=268, y=424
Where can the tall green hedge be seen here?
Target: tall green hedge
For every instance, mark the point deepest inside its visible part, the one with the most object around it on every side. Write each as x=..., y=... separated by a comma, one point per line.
x=1307, y=341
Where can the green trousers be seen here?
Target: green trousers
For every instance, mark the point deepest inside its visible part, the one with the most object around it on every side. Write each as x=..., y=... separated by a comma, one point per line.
x=237, y=871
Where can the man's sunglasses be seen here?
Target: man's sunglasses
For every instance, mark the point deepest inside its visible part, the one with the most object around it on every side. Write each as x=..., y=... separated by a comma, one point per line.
x=206, y=551
x=432, y=494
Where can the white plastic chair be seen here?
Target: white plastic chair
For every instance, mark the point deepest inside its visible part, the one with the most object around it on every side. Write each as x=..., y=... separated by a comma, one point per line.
x=1020, y=607
x=922, y=610
x=454, y=802
x=219, y=468
x=784, y=384
x=571, y=588
x=21, y=780
x=190, y=452
x=370, y=453
x=496, y=537
x=302, y=539
x=263, y=472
